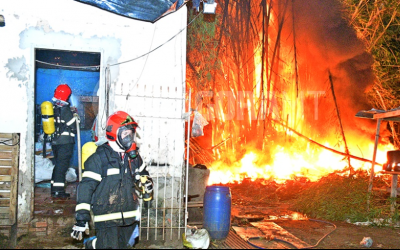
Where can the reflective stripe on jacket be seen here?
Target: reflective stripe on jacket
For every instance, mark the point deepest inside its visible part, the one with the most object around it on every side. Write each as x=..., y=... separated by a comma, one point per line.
x=107, y=188
x=65, y=123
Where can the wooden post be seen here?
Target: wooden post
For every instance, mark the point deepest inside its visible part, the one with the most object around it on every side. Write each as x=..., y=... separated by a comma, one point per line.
x=371, y=179
x=393, y=194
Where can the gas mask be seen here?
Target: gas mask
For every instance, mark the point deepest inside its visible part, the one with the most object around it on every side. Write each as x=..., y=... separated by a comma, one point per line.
x=127, y=140
x=59, y=103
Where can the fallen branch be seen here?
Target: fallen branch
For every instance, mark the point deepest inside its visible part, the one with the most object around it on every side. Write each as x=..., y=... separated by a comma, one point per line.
x=323, y=146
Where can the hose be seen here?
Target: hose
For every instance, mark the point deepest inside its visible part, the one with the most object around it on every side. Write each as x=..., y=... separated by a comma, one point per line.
x=284, y=241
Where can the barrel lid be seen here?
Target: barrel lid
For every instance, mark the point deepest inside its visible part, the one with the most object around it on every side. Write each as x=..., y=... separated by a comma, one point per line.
x=218, y=188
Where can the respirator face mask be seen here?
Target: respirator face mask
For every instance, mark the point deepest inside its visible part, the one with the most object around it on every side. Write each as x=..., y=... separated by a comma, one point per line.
x=126, y=139
x=59, y=103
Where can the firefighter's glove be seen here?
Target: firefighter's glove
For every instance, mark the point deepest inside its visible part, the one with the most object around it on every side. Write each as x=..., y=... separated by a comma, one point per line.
x=79, y=228
x=147, y=184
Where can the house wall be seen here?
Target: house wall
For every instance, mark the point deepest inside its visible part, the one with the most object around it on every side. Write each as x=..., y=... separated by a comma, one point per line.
x=70, y=25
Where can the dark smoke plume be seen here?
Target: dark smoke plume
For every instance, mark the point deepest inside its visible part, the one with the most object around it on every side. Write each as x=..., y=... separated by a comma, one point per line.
x=326, y=43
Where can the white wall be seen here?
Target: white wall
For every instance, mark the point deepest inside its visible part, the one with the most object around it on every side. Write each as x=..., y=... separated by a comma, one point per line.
x=70, y=25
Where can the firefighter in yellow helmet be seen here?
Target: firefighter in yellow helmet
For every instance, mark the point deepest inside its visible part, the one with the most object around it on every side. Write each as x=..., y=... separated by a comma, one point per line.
x=108, y=188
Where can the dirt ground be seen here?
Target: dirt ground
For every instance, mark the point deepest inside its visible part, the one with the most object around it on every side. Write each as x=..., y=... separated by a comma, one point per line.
x=335, y=234
x=248, y=207
x=339, y=235
x=346, y=236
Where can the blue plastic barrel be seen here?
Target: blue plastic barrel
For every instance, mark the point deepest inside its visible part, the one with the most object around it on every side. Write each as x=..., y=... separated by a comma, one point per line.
x=217, y=211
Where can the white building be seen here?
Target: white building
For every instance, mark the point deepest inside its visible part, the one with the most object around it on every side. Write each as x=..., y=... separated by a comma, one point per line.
x=141, y=71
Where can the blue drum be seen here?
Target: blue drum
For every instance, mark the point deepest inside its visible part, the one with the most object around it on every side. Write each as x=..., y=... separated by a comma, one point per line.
x=217, y=211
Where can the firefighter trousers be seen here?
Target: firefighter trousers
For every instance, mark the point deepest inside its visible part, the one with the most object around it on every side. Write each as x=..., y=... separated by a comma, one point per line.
x=62, y=156
x=111, y=238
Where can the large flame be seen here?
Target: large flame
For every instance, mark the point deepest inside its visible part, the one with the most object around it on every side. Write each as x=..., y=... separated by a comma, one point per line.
x=310, y=163
x=296, y=72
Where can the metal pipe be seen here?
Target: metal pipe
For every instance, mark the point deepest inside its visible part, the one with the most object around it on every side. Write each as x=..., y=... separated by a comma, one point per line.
x=158, y=117
x=160, y=227
x=180, y=201
x=372, y=175
x=393, y=194
x=163, y=227
x=154, y=97
x=158, y=181
x=172, y=203
x=187, y=161
x=165, y=188
x=107, y=89
x=140, y=221
x=182, y=173
x=148, y=205
x=156, y=197
x=78, y=132
x=148, y=222
x=162, y=208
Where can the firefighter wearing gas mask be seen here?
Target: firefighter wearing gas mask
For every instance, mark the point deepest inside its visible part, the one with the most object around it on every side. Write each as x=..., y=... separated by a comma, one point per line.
x=108, y=188
x=62, y=140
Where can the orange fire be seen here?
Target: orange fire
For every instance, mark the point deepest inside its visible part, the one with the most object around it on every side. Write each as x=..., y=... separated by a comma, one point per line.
x=287, y=165
x=301, y=82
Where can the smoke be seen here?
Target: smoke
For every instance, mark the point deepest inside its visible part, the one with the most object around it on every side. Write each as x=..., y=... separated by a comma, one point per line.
x=327, y=44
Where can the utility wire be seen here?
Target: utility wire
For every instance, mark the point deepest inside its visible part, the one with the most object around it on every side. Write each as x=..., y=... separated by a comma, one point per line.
x=97, y=67
x=144, y=65
x=151, y=51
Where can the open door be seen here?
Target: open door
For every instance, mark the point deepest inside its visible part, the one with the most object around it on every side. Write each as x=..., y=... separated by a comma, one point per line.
x=81, y=72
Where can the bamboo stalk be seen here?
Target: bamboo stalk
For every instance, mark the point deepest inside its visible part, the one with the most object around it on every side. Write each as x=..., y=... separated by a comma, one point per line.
x=340, y=122
x=295, y=53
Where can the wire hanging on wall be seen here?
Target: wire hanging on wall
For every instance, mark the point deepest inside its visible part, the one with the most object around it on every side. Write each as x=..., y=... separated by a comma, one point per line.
x=151, y=51
x=97, y=67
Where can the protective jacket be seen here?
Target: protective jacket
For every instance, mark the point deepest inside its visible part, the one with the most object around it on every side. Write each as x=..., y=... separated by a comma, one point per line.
x=107, y=188
x=65, y=124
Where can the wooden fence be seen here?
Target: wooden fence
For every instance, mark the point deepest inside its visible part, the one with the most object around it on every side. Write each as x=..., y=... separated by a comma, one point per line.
x=9, y=153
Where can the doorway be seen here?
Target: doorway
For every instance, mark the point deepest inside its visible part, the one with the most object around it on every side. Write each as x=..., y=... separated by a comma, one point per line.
x=81, y=72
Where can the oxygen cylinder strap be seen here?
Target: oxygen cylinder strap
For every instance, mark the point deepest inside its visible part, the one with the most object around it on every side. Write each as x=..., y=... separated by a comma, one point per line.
x=47, y=116
x=44, y=145
x=70, y=122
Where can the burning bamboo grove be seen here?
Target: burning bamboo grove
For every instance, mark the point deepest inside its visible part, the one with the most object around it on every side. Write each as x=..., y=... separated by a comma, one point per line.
x=280, y=83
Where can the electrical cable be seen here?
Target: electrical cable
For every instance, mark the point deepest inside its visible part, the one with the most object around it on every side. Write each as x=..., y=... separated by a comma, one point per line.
x=291, y=244
x=97, y=67
x=151, y=51
x=107, y=68
x=144, y=65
